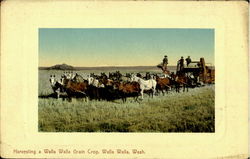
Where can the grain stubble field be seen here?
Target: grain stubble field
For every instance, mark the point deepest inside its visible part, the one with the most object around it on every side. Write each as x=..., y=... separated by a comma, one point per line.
x=192, y=111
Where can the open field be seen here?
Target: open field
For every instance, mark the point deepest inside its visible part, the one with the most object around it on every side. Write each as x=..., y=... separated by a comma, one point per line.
x=191, y=111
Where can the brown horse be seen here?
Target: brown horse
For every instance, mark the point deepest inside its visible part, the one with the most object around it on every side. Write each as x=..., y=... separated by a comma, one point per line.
x=163, y=84
x=75, y=89
x=180, y=80
x=128, y=89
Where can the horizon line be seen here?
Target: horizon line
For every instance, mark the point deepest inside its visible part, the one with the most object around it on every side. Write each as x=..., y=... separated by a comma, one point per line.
x=111, y=66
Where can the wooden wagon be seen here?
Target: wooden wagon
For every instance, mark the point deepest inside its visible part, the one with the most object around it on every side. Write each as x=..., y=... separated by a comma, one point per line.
x=199, y=71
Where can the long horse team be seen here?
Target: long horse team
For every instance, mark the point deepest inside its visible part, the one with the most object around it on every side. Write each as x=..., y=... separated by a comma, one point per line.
x=115, y=85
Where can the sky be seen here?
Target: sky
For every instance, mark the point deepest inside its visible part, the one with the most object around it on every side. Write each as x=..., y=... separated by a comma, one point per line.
x=123, y=47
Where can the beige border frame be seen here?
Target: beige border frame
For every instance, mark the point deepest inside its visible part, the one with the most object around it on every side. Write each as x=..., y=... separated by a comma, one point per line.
x=19, y=77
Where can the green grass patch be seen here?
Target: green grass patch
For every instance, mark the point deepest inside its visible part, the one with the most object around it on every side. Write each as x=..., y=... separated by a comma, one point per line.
x=191, y=111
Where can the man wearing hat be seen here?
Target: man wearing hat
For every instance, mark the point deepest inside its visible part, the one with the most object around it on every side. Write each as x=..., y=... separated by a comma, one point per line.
x=181, y=61
x=188, y=60
x=165, y=63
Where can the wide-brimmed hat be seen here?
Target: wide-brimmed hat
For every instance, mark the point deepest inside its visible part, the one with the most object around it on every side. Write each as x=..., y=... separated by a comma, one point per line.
x=165, y=56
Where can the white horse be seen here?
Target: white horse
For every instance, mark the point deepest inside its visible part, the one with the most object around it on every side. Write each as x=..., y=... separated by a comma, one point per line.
x=145, y=84
x=94, y=82
x=166, y=76
x=55, y=84
x=69, y=75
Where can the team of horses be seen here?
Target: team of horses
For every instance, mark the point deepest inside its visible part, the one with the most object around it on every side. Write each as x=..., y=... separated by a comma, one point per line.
x=117, y=86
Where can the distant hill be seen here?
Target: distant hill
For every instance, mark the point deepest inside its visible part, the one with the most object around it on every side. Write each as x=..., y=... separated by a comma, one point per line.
x=58, y=67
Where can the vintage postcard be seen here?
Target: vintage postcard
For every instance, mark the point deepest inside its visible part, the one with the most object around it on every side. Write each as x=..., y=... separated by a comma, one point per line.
x=105, y=79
